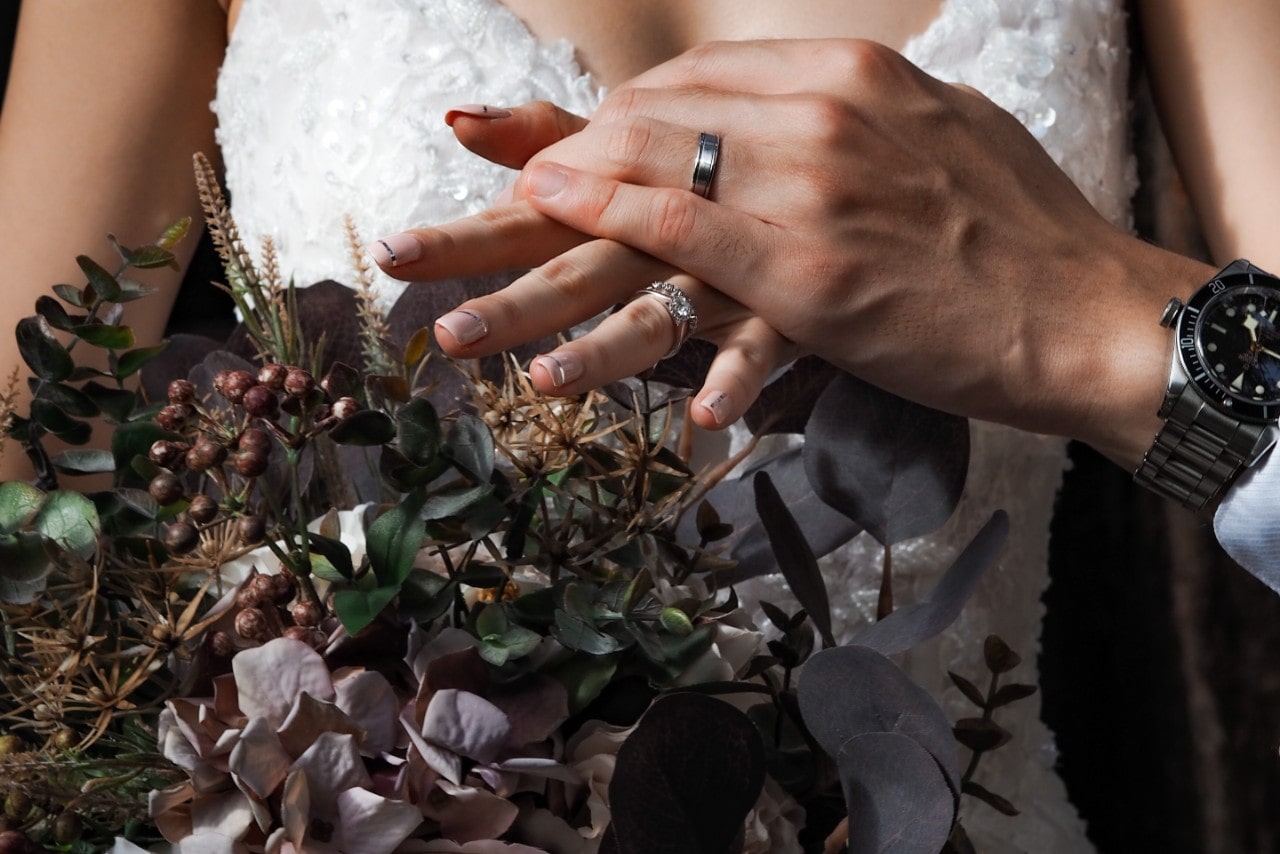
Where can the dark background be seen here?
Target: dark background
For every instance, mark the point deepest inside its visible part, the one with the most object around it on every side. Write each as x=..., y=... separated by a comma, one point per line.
x=1158, y=659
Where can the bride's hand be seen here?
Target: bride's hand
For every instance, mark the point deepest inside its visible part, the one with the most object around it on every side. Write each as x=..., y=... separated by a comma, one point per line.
x=906, y=229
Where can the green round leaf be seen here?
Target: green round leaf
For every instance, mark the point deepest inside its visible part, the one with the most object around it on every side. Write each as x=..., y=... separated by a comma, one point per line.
x=86, y=461
x=71, y=521
x=366, y=427
x=19, y=503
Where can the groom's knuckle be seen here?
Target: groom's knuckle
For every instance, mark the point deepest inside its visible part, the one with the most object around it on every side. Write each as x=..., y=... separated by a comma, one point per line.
x=674, y=217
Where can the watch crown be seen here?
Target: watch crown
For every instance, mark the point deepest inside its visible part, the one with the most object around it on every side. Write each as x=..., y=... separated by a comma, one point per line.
x=1170, y=312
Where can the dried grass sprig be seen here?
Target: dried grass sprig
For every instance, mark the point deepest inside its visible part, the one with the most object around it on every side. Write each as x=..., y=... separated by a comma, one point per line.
x=373, y=321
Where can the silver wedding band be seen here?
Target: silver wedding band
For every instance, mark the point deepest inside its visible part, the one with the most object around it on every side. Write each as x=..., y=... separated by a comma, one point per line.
x=704, y=164
x=679, y=308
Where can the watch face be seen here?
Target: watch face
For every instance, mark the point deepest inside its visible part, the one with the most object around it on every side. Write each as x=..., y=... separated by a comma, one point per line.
x=1229, y=337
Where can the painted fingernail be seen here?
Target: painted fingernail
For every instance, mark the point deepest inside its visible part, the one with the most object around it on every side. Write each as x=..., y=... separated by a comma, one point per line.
x=717, y=403
x=563, y=367
x=464, y=325
x=395, y=249
x=475, y=111
x=546, y=180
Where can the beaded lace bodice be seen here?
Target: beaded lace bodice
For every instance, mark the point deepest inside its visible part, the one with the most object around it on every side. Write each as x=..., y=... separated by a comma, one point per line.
x=333, y=108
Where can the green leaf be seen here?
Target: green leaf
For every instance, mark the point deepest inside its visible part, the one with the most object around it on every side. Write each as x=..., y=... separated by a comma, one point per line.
x=470, y=446
x=676, y=621
x=105, y=336
x=419, y=429
x=335, y=552
x=19, y=503
x=43, y=353
x=494, y=651
x=416, y=349
x=483, y=575
x=24, y=564
x=425, y=596
x=394, y=540
x=131, y=362
x=147, y=257
x=492, y=620
x=103, y=283
x=584, y=677
x=70, y=294
x=321, y=568
x=51, y=310
x=86, y=461
x=131, y=290
x=520, y=641
x=358, y=608
x=51, y=417
x=453, y=502
x=132, y=440
x=366, y=427
x=577, y=634
x=117, y=403
x=71, y=521
x=174, y=233
x=69, y=399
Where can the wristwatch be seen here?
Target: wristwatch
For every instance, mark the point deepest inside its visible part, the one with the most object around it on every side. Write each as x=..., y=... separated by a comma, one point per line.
x=1223, y=400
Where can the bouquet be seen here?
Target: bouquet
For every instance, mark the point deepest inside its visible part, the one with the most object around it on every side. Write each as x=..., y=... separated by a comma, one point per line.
x=332, y=592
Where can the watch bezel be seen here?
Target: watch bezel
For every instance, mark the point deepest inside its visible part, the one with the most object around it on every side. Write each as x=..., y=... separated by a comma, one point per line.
x=1188, y=344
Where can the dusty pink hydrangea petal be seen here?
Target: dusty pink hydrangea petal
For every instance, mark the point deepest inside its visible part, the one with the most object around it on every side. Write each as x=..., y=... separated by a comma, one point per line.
x=162, y=800
x=372, y=824
x=261, y=809
x=209, y=843
x=444, y=763
x=226, y=698
x=204, y=776
x=259, y=761
x=540, y=767
x=174, y=824
x=535, y=706
x=467, y=724
x=270, y=678
x=332, y=765
x=548, y=831
x=227, y=814
x=186, y=717
x=309, y=718
x=371, y=702
x=471, y=814
x=295, y=807
x=224, y=745
x=484, y=846
x=124, y=846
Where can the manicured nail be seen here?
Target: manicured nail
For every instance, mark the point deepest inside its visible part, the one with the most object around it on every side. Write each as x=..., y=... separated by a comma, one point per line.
x=564, y=367
x=395, y=250
x=464, y=325
x=717, y=403
x=546, y=180
x=475, y=111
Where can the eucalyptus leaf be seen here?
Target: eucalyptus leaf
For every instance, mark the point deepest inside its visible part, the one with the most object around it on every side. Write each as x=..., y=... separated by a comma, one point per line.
x=795, y=559
x=70, y=520
x=117, y=403
x=577, y=634
x=19, y=503
x=894, y=467
x=24, y=565
x=52, y=311
x=696, y=762
x=103, y=283
x=86, y=461
x=51, y=417
x=852, y=690
x=174, y=233
x=69, y=399
x=916, y=622
x=43, y=353
x=131, y=362
x=897, y=797
x=419, y=430
x=470, y=446
x=105, y=336
x=366, y=427
x=416, y=349
x=453, y=502
x=70, y=294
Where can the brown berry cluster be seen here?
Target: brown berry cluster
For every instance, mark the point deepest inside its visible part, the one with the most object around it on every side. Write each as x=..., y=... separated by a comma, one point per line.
x=235, y=452
x=266, y=608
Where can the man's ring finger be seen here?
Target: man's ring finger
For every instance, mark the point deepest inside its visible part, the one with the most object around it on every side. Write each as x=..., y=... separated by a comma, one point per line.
x=704, y=164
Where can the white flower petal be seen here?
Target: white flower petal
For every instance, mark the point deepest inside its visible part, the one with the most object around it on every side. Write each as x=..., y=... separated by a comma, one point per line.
x=259, y=760
x=227, y=815
x=371, y=702
x=271, y=677
x=332, y=765
x=466, y=723
x=295, y=807
x=124, y=846
x=372, y=824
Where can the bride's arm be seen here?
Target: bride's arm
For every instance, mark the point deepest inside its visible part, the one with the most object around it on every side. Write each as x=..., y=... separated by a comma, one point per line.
x=105, y=105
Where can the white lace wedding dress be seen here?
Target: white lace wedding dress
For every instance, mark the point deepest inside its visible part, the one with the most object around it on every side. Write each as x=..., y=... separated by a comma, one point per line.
x=334, y=107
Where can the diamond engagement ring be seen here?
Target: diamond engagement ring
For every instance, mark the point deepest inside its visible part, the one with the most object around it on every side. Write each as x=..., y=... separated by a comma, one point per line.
x=704, y=164
x=679, y=308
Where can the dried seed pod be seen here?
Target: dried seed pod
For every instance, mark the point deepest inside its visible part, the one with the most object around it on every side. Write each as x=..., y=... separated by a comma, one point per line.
x=298, y=382
x=307, y=614
x=235, y=384
x=272, y=376
x=65, y=739
x=250, y=463
x=254, y=439
x=202, y=509
x=252, y=624
x=166, y=454
x=283, y=588
x=251, y=529
x=181, y=537
x=11, y=744
x=261, y=402
x=345, y=407
x=221, y=645
x=182, y=391
x=205, y=454
x=18, y=805
x=166, y=488
x=67, y=828
x=175, y=416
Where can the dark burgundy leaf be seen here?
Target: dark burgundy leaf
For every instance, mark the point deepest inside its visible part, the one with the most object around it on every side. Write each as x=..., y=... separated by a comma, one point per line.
x=984, y=794
x=795, y=558
x=911, y=624
x=897, y=796
x=685, y=778
x=1000, y=658
x=968, y=689
x=784, y=406
x=1011, y=693
x=46, y=357
x=894, y=467
x=980, y=734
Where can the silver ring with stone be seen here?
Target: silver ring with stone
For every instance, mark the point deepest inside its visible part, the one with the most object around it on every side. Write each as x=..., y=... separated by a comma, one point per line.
x=679, y=308
x=704, y=164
